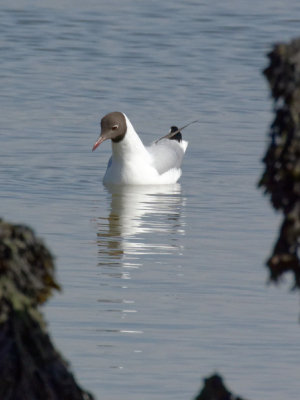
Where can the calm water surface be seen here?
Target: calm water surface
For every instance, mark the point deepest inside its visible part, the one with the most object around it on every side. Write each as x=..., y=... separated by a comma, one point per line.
x=162, y=285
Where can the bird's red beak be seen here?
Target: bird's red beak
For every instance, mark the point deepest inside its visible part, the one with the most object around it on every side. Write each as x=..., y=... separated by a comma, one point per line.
x=99, y=141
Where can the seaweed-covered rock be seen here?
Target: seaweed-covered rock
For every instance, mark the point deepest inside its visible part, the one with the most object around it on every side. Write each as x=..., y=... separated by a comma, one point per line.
x=26, y=267
x=30, y=367
x=281, y=178
x=214, y=389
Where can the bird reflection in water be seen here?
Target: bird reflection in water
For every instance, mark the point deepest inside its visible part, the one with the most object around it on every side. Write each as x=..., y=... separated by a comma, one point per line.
x=144, y=225
x=138, y=216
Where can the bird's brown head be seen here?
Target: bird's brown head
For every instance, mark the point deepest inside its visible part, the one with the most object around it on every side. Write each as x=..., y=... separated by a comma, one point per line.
x=113, y=126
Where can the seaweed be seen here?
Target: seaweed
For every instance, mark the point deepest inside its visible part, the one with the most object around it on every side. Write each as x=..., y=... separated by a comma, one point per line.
x=30, y=366
x=281, y=177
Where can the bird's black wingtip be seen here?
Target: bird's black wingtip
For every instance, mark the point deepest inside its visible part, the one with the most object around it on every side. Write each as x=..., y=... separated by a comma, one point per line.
x=177, y=136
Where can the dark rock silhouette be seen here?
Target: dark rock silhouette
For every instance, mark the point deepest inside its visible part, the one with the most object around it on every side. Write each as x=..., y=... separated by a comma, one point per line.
x=281, y=178
x=214, y=389
x=30, y=367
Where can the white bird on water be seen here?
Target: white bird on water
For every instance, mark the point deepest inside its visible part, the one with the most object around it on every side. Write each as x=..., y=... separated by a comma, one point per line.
x=131, y=162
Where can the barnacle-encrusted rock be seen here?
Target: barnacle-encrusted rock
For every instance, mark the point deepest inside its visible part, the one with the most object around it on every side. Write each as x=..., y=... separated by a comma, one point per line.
x=281, y=178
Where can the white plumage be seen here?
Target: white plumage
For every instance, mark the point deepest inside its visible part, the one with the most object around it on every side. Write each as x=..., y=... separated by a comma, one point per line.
x=131, y=162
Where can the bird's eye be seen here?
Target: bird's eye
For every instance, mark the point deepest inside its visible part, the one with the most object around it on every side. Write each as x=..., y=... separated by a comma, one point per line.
x=115, y=127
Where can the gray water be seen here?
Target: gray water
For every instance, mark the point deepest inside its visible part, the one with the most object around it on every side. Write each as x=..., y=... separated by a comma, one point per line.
x=162, y=286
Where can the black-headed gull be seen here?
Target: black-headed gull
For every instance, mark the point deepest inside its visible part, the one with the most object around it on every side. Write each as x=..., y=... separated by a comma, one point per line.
x=131, y=162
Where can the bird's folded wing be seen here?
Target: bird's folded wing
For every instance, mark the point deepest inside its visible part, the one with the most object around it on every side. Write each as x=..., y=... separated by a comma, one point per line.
x=166, y=154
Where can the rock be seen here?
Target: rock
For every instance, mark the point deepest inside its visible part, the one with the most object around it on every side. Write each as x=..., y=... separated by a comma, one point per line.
x=281, y=177
x=30, y=367
x=214, y=389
